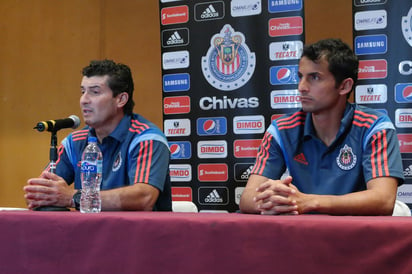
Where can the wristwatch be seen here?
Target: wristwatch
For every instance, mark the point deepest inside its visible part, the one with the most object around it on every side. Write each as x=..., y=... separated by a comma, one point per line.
x=76, y=199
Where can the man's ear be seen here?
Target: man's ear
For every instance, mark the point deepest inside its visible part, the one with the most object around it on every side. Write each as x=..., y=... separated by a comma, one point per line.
x=346, y=86
x=122, y=99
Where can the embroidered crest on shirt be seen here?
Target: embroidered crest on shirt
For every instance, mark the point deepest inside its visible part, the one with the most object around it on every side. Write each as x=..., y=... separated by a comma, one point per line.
x=346, y=159
x=117, y=162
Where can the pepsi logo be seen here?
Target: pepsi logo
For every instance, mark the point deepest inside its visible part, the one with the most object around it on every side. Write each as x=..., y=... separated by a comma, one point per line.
x=209, y=126
x=407, y=93
x=284, y=74
x=175, y=149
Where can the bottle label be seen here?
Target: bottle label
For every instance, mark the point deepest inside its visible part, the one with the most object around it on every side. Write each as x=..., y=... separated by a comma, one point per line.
x=88, y=167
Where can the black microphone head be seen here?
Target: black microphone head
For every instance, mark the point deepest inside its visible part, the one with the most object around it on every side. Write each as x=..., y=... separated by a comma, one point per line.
x=76, y=121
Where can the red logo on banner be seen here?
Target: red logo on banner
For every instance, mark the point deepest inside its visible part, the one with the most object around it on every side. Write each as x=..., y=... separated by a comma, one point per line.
x=212, y=172
x=182, y=194
x=176, y=105
x=247, y=148
x=405, y=143
x=285, y=26
x=372, y=69
x=175, y=15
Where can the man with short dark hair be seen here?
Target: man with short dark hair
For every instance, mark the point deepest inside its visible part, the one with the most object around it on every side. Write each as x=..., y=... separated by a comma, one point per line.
x=135, y=152
x=342, y=158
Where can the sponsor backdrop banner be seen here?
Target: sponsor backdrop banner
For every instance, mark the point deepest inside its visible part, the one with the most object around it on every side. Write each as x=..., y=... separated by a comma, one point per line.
x=383, y=41
x=229, y=67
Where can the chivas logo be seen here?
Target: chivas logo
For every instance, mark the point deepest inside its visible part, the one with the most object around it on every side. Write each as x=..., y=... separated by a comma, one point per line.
x=407, y=27
x=228, y=64
x=346, y=159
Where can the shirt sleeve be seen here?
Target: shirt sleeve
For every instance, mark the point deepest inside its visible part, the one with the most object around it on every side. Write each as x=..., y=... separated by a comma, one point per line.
x=269, y=160
x=149, y=162
x=381, y=156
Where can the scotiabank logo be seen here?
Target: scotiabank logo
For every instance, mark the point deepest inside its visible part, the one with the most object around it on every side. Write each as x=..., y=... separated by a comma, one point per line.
x=180, y=173
x=405, y=143
x=247, y=148
x=182, y=194
x=176, y=105
x=175, y=15
x=285, y=26
x=212, y=172
x=372, y=69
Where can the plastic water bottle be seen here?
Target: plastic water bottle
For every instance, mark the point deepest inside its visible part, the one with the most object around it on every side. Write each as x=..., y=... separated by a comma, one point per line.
x=91, y=176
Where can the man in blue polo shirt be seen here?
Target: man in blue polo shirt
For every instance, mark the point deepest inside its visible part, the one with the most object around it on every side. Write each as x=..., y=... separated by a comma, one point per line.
x=342, y=158
x=135, y=152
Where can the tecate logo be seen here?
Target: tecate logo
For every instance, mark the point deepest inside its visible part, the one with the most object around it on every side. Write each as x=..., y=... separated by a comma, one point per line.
x=176, y=127
x=213, y=103
x=371, y=94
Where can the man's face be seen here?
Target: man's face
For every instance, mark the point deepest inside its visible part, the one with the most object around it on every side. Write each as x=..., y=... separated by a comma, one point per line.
x=97, y=103
x=317, y=86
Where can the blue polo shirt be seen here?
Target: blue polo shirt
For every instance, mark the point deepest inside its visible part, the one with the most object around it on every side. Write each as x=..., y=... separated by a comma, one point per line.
x=135, y=152
x=366, y=147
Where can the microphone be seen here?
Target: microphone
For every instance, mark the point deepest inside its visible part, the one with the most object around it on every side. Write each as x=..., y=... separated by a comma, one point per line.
x=54, y=125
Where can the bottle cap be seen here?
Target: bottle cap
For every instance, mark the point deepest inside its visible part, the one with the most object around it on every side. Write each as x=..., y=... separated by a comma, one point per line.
x=92, y=139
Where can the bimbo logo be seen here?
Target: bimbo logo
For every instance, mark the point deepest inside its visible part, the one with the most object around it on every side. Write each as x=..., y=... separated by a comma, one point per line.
x=285, y=26
x=249, y=124
x=285, y=99
x=175, y=15
x=403, y=93
x=212, y=149
x=180, y=173
x=211, y=126
x=282, y=75
x=403, y=117
x=180, y=150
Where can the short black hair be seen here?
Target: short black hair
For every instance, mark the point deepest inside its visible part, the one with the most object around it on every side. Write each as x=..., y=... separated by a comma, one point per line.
x=343, y=63
x=120, y=78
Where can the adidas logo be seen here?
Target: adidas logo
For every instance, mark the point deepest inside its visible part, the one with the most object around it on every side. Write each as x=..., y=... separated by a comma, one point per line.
x=213, y=197
x=246, y=173
x=175, y=39
x=301, y=159
x=210, y=12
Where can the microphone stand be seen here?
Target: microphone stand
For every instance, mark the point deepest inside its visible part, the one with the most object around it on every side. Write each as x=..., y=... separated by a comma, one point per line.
x=53, y=159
